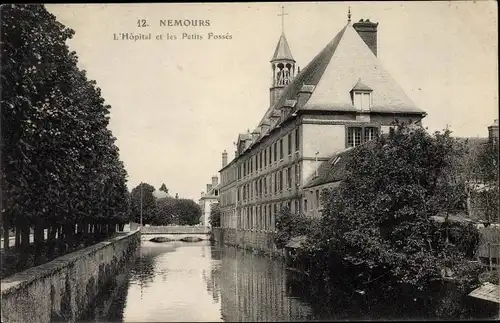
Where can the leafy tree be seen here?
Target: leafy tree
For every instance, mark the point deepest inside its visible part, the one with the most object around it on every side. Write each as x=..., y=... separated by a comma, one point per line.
x=145, y=191
x=60, y=165
x=289, y=225
x=165, y=211
x=164, y=188
x=380, y=217
x=486, y=171
x=188, y=212
x=215, y=215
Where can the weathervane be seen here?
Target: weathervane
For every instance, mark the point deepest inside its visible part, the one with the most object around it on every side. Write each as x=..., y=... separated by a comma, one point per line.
x=349, y=15
x=282, y=14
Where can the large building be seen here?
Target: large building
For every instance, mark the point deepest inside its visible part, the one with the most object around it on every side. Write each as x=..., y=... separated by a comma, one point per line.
x=208, y=198
x=342, y=98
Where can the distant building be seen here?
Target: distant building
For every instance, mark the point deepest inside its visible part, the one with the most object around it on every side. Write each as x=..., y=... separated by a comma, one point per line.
x=493, y=132
x=207, y=199
x=342, y=98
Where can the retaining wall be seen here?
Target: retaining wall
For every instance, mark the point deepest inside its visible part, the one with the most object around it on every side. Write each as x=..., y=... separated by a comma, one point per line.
x=256, y=240
x=62, y=289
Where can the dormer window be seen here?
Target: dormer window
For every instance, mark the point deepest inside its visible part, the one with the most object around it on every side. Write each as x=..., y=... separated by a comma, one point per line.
x=361, y=96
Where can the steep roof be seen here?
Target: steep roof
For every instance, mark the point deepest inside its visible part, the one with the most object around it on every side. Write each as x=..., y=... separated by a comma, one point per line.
x=332, y=170
x=282, y=50
x=336, y=69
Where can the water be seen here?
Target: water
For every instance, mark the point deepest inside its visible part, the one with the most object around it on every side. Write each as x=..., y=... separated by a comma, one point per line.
x=179, y=281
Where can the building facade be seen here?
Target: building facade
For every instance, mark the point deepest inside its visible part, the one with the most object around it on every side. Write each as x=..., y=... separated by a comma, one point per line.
x=342, y=98
x=207, y=199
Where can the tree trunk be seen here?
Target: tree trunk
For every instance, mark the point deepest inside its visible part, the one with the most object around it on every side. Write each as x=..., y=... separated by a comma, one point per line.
x=18, y=236
x=52, y=239
x=39, y=242
x=6, y=238
x=25, y=243
x=68, y=236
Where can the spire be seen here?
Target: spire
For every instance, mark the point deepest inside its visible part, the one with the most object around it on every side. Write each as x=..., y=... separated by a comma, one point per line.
x=282, y=50
x=349, y=15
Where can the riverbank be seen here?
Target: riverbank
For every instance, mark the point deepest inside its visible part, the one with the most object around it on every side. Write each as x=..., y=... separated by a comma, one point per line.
x=254, y=240
x=62, y=288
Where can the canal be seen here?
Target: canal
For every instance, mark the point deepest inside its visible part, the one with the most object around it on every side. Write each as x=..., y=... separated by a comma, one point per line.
x=182, y=281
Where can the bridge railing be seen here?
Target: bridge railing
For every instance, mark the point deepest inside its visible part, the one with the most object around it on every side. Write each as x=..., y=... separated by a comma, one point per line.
x=167, y=229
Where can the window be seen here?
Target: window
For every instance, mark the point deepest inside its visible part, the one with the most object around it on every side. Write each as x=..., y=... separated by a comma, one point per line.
x=353, y=136
x=297, y=137
x=280, y=176
x=216, y=192
x=251, y=165
x=317, y=198
x=362, y=100
x=360, y=134
x=265, y=185
x=289, y=177
x=305, y=205
x=281, y=148
x=275, y=178
x=265, y=157
x=275, y=147
x=289, y=144
x=370, y=133
x=297, y=174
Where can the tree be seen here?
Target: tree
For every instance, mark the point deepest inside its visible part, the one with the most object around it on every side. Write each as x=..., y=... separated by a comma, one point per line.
x=380, y=218
x=215, y=215
x=60, y=164
x=148, y=203
x=188, y=212
x=165, y=211
x=486, y=171
x=164, y=188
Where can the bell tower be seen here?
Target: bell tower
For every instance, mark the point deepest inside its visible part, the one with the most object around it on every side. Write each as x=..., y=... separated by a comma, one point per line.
x=282, y=64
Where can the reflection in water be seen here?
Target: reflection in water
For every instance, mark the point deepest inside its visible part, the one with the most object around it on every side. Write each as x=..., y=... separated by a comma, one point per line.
x=179, y=281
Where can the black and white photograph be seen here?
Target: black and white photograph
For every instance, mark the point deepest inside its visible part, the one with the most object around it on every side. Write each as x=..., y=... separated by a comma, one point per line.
x=249, y=161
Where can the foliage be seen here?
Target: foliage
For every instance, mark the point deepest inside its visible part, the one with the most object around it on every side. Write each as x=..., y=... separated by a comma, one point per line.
x=289, y=225
x=165, y=211
x=378, y=221
x=487, y=197
x=188, y=212
x=215, y=215
x=142, y=198
x=60, y=164
x=163, y=188
x=176, y=211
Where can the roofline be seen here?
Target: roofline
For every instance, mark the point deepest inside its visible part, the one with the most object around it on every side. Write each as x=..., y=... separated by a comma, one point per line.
x=282, y=59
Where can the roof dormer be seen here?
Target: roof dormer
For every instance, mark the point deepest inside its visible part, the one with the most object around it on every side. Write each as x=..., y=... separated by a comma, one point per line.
x=361, y=96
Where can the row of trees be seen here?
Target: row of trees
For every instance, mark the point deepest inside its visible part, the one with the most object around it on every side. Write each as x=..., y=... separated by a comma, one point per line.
x=380, y=220
x=163, y=210
x=60, y=166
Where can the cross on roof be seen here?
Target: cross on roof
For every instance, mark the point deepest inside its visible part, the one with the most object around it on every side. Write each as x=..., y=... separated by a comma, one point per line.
x=282, y=14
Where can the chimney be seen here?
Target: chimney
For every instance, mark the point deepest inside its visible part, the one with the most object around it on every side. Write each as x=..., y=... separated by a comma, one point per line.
x=209, y=188
x=224, y=158
x=367, y=30
x=215, y=181
x=493, y=132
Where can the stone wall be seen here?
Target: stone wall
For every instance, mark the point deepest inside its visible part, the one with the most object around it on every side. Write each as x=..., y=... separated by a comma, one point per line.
x=62, y=289
x=260, y=241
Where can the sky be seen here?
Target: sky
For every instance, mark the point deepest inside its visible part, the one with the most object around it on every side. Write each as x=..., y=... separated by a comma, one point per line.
x=178, y=103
